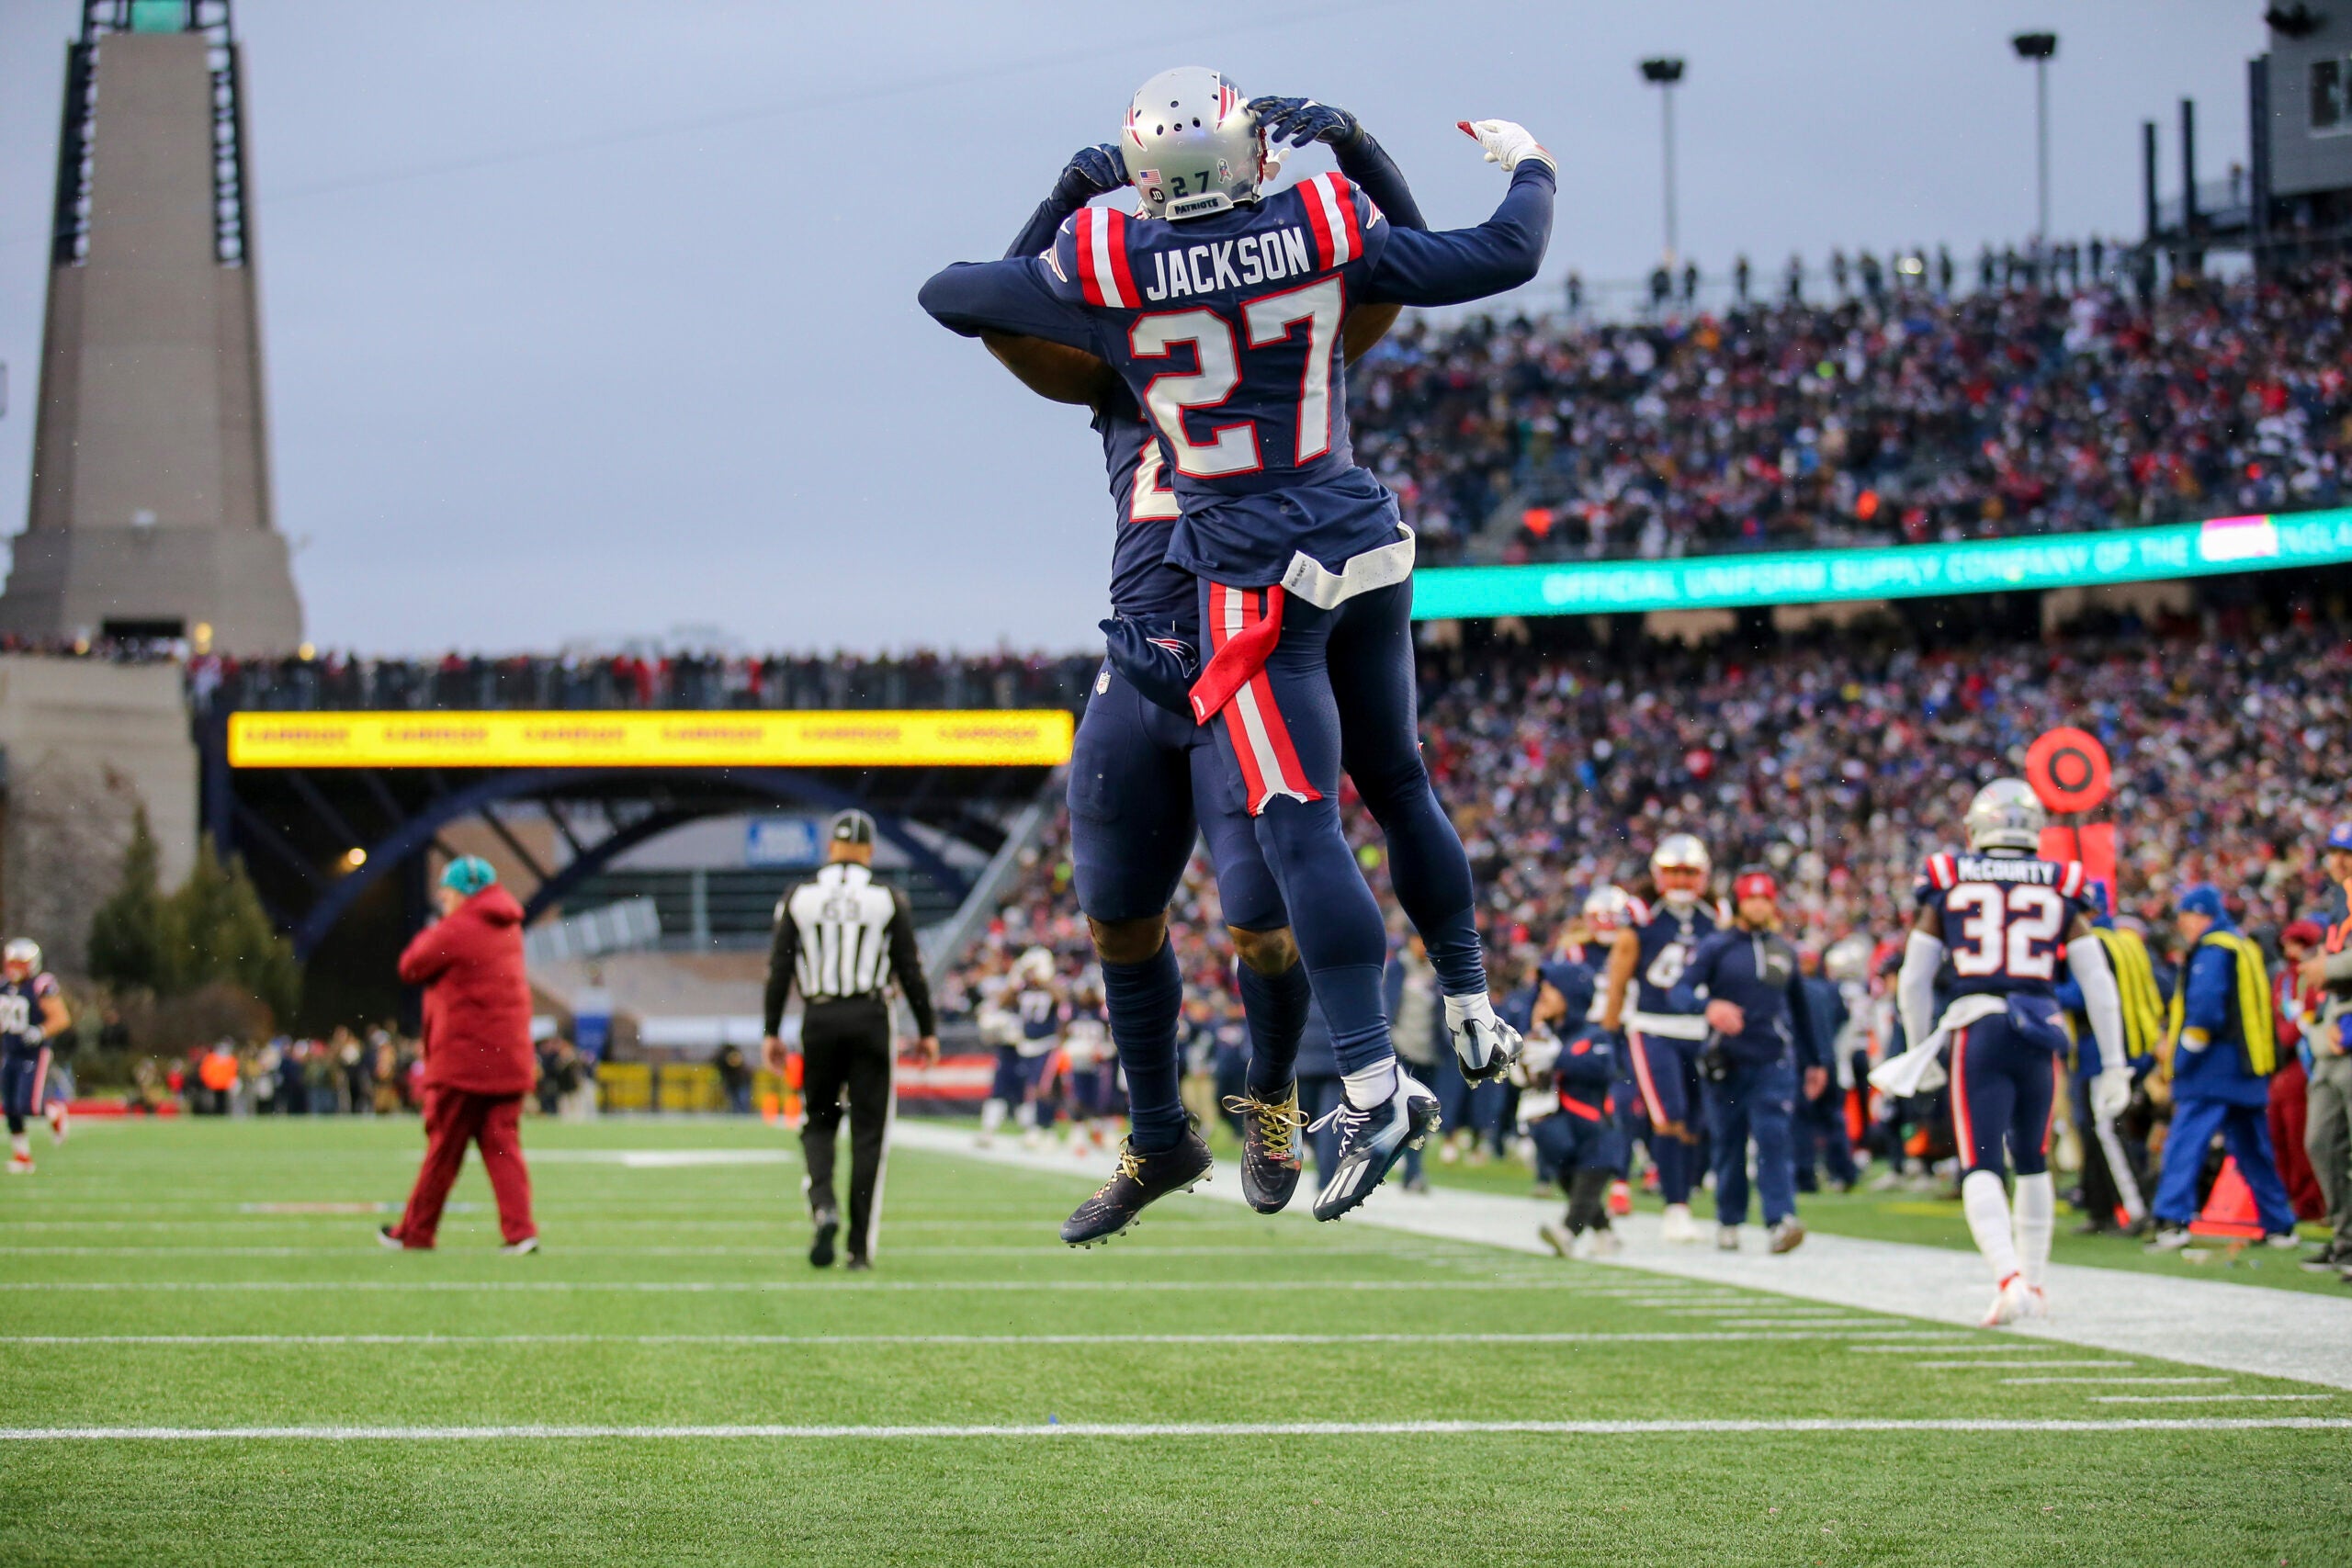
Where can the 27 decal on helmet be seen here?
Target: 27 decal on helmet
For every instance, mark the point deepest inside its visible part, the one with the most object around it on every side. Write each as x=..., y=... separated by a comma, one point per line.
x=1192, y=145
x=2005, y=815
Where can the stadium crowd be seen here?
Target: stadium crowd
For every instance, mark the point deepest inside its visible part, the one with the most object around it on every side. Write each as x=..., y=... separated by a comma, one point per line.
x=1842, y=763
x=1886, y=415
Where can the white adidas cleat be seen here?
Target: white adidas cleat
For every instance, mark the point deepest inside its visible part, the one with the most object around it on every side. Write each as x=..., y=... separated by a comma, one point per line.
x=1677, y=1225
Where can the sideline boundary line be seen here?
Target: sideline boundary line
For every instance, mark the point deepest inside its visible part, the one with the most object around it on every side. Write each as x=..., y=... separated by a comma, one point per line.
x=1663, y=1336
x=1173, y=1429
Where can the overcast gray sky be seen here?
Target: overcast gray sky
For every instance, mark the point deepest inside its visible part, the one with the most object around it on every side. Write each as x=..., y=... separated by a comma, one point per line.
x=594, y=318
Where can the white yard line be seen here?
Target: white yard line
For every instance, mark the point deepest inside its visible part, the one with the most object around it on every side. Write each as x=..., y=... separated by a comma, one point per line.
x=1632, y=1337
x=846, y=1287
x=336, y=1434
x=2108, y=1380
x=2238, y=1328
x=2202, y=1398
x=1998, y=1364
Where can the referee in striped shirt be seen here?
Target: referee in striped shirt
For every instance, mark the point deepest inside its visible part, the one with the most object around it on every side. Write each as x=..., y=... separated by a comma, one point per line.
x=844, y=939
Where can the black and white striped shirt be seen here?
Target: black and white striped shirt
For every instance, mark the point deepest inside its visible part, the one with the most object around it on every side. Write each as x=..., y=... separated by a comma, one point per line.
x=842, y=936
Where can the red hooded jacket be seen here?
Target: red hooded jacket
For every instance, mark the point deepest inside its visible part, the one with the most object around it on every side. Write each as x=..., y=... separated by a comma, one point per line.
x=477, y=1001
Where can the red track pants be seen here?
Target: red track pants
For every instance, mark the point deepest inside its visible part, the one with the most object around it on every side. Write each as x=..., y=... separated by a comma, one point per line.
x=453, y=1118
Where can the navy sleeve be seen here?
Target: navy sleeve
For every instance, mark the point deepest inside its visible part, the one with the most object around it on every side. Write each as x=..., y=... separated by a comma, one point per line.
x=1416, y=267
x=1804, y=1030
x=1375, y=173
x=1006, y=297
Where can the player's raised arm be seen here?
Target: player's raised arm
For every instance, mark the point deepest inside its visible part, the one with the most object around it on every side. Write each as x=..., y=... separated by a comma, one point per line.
x=1454, y=266
x=1298, y=121
x=1057, y=371
x=1017, y=297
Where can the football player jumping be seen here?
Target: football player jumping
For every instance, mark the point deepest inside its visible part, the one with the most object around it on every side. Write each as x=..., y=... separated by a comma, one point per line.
x=1227, y=322
x=1998, y=928
x=1144, y=780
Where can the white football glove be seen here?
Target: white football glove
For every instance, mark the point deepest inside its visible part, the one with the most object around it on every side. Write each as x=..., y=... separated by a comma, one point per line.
x=1506, y=143
x=2111, y=1093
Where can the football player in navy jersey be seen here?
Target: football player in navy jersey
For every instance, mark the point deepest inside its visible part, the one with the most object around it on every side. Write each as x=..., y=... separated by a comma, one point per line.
x=2002, y=927
x=1224, y=309
x=1662, y=1040
x=1144, y=778
x=30, y=1012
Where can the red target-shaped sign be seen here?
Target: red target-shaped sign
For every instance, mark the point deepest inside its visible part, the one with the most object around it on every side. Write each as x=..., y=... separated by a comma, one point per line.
x=2068, y=768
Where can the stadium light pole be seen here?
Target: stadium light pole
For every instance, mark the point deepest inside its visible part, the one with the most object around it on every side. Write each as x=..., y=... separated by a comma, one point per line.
x=2040, y=48
x=1664, y=72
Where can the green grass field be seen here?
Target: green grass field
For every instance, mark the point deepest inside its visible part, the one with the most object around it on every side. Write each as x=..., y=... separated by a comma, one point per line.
x=222, y=1275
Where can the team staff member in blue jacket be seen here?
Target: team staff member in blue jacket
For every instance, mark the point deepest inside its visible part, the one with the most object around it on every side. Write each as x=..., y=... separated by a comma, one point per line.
x=1763, y=1031
x=2223, y=1054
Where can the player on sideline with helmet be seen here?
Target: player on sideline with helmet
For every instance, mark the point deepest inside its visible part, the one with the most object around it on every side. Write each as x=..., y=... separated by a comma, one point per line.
x=1999, y=927
x=1145, y=782
x=1662, y=1042
x=30, y=1012
x=1303, y=563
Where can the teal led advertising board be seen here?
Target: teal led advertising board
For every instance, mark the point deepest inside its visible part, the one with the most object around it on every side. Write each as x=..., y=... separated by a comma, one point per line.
x=2259, y=543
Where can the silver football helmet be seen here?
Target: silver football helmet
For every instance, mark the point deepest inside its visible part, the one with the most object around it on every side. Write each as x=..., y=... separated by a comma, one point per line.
x=1609, y=908
x=23, y=951
x=1849, y=958
x=2005, y=815
x=1680, y=852
x=1192, y=145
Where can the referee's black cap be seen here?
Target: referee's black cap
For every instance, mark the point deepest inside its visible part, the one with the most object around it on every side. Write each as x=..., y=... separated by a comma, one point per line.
x=852, y=826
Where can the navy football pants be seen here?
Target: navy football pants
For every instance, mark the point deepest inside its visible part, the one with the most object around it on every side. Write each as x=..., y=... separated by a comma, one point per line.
x=22, y=1074
x=1143, y=784
x=1667, y=1070
x=1338, y=694
x=2003, y=1088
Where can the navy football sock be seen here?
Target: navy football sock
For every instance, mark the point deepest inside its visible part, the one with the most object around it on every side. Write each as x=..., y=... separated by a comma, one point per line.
x=1276, y=1007
x=1144, y=1001
x=1353, y=992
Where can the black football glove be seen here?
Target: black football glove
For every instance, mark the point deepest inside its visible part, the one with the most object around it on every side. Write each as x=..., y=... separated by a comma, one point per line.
x=1163, y=669
x=1301, y=120
x=1090, y=172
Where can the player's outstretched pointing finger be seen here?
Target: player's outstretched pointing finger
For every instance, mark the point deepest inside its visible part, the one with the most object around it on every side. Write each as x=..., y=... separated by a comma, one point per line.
x=1507, y=142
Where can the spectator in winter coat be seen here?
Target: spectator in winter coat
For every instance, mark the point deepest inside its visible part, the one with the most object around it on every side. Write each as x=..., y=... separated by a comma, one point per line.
x=477, y=1058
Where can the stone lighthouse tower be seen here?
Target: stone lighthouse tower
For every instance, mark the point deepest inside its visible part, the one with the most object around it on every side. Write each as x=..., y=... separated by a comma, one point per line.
x=151, y=508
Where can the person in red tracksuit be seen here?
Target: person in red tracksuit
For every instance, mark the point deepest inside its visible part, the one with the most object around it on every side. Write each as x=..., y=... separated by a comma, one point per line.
x=477, y=1059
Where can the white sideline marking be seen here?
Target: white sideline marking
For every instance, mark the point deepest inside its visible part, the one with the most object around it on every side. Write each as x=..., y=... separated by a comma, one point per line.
x=2198, y=1398
x=845, y=1287
x=2229, y=1328
x=1173, y=1429
x=2003, y=1365
x=1674, y=1336
x=662, y=1160
x=2112, y=1380
x=1984, y=1349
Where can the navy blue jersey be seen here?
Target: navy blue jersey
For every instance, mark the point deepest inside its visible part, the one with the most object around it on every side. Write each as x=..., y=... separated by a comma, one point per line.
x=20, y=1010
x=2005, y=919
x=1040, y=1012
x=1227, y=329
x=1669, y=938
x=1144, y=587
x=1757, y=972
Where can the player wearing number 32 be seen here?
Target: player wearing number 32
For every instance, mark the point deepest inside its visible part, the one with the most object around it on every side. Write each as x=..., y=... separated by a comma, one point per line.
x=1224, y=307
x=1997, y=926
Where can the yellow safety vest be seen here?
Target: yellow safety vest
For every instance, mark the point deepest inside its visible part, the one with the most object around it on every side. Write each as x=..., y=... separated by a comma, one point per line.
x=2257, y=1017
